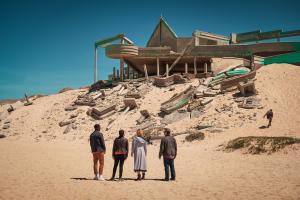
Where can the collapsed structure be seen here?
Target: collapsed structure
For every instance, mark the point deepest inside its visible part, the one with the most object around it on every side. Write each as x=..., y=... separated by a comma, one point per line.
x=166, y=53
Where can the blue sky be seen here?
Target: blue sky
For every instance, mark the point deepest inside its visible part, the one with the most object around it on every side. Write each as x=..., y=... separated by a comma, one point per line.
x=48, y=45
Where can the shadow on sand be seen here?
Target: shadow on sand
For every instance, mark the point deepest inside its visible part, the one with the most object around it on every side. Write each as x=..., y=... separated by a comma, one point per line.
x=263, y=127
x=125, y=179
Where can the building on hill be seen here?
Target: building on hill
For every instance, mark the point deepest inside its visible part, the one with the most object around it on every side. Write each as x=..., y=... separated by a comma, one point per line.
x=166, y=53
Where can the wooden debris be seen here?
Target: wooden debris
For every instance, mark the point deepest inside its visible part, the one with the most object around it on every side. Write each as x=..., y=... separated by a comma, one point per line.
x=194, y=104
x=163, y=81
x=250, y=103
x=70, y=108
x=209, y=93
x=67, y=122
x=206, y=101
x=130, y=102
x=6, y=126
x=99, y=114
x=246, y=88
x=85, y=101
x=10, y=109
x=134, y=95
x=28, y=103
x=68, y=129
x=177, y=101
x=234, y=81
x=144, y=115
x=73, y=115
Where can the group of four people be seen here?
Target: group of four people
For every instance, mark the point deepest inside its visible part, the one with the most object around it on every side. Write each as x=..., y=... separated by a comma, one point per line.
x=120, y=151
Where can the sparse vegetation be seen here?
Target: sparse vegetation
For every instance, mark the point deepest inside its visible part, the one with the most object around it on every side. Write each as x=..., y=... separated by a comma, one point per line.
x=260, y=144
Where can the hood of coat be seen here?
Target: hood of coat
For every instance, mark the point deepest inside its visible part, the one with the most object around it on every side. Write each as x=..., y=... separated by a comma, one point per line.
x=139, y=139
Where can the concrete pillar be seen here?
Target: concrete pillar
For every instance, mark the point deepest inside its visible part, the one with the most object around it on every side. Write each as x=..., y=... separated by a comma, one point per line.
x=114, y=73
x=157, y=65
x=118, y=74
x=95, y=65
x=167, y=70
x=195, y=65
x=128, y=69
x=146, y=71
x=186, y=68
x=205, y=67
x=122, y=69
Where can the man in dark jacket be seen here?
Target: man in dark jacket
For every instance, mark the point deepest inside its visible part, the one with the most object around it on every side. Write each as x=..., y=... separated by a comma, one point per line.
x=168, y=149
x=119, y=154
x=98, y=149
x=269, y=115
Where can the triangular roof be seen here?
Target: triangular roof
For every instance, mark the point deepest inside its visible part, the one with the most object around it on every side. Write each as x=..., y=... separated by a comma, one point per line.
x=162, y=23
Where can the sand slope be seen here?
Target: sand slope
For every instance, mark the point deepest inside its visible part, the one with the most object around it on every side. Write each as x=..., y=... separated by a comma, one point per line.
x=38, y=161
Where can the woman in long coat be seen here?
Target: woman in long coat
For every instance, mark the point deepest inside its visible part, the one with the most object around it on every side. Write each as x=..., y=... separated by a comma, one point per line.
x=139, y=151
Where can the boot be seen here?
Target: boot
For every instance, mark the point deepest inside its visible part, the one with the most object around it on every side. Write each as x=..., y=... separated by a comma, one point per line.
x=143, y=176
x=138, y=177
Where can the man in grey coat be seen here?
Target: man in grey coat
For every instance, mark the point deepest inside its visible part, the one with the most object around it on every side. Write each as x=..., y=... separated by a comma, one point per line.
x=168, y=149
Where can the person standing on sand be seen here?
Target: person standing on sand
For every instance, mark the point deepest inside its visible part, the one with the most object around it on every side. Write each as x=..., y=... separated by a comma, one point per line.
x=139, y=151
x=168, y=149
x=119, y=154
x=98, y=150
x=269, y=115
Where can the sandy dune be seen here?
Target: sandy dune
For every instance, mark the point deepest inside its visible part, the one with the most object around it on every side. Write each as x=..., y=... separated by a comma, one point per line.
x=38, y=161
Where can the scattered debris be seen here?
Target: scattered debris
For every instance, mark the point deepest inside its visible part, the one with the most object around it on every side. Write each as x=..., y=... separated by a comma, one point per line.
x=74, y=115
x=6, y=126
x=250, y=103
x=101, y=84
x=70, y=108
x=206, y=101
x=130, y=102
x=133, y=95
x=167, y=81
x=84, y=100
x=259, y=144
x=28, y=103
x=99, y=114
x=10, y=109
x=68, y=129
x=246, y=88
x=177, y=101
x=234, y=81
x=67, y=122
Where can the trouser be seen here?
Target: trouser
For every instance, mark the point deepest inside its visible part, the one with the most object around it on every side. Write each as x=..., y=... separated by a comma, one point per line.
x=270, y=122
x=119, y=159
x=169, y=165
x=98, y=156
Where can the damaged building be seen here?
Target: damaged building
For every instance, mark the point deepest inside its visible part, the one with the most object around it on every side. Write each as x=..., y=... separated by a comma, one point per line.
x=166, y=53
